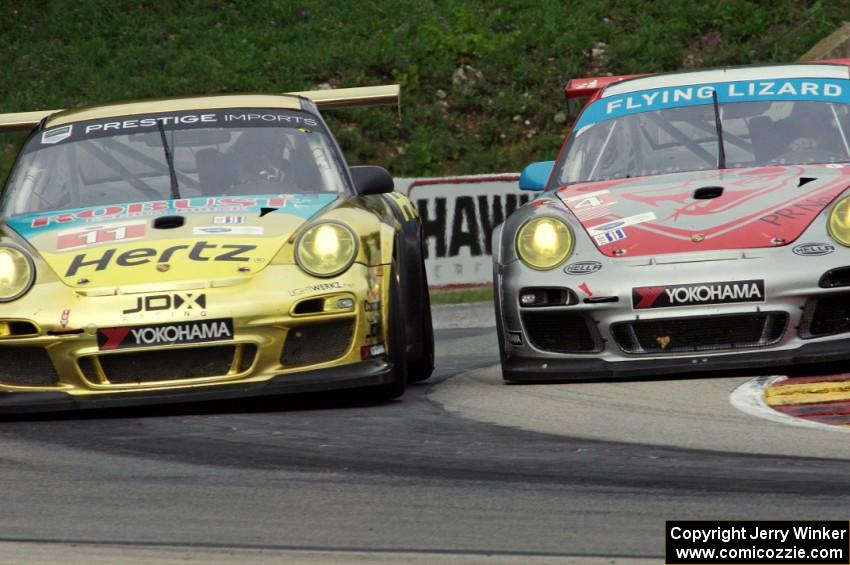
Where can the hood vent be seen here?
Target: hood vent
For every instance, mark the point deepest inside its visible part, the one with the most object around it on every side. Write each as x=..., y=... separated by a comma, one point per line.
x=169, y=222
x=708, y=192
x=805, y=180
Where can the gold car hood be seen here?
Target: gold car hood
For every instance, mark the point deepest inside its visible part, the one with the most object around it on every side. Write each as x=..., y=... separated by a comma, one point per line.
x=167, y=240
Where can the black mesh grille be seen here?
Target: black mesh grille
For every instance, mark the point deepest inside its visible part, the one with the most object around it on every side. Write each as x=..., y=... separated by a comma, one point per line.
x=560, y=332
x=26, y=366
x=170, y=364
x=826, y=315
x=315, y=343
x=701, y=333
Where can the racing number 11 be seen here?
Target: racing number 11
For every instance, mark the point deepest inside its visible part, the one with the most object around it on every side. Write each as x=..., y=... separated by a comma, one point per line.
x=95, y=236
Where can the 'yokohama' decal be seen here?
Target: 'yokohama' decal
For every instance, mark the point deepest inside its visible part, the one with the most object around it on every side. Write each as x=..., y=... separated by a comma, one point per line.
x=698, y=294
x=164, y=334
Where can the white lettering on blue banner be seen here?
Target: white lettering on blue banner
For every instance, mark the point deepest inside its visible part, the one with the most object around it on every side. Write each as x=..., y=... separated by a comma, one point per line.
x=811, y=89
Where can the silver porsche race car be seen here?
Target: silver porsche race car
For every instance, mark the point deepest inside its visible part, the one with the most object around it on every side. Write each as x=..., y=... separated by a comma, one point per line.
x=693, y=221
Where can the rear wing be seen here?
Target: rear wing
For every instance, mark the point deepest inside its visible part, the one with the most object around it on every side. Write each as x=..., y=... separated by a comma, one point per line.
x=360, y=96
x=323, y=99
x=587, y=87
x=590, y=86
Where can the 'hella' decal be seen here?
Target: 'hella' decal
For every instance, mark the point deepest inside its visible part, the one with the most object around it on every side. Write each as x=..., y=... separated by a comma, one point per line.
x=583, y=268
x=698, y=294
x=813, y=249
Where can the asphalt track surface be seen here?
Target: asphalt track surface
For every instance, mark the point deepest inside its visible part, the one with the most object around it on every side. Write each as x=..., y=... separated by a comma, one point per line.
x=463, y=469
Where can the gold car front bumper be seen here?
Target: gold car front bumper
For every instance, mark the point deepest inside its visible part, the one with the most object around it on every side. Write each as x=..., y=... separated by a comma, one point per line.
x=280, y=330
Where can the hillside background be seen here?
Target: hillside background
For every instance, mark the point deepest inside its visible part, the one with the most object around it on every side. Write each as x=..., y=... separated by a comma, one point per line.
x=482, y=82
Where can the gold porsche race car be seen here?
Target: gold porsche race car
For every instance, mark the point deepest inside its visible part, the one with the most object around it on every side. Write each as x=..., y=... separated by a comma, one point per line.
x=204, y=248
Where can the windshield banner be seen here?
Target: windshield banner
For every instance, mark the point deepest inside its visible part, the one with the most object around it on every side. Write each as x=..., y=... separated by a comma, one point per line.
x=805, y=89
x=170, y=121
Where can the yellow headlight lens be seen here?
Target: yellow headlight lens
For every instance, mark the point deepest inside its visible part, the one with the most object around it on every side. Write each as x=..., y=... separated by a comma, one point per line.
x=839, y=222
x=16, y=273
x=544, y=243
x=326, y=249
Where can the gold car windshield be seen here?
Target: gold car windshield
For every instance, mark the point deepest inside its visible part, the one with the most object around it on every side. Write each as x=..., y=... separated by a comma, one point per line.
x=177, y=155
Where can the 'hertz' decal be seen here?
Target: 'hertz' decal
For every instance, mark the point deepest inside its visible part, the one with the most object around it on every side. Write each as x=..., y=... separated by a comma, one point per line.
x=200, y=251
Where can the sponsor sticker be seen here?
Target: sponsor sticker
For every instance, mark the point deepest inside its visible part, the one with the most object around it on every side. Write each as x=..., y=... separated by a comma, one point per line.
x=369, y=351
x=178, y=121
x=56, y=135
x=229, y=230
x=813, y=89
x=318, y=287
x=583, y=268
x=610, y=237
x=169, y=301
x=300, y=205
x=698, y=294
x=200, y=251
x=813, y=249
x=590, y=205
x=164, y=334
x=87, y=237
x=590, y=199
x=228, y=220
x=621, y=223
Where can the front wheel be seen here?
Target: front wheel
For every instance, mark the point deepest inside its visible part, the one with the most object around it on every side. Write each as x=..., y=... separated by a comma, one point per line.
x=396, y=342
x=423, y=368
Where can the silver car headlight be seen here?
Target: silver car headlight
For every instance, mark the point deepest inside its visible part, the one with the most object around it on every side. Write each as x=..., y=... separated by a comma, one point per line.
x=545, y=242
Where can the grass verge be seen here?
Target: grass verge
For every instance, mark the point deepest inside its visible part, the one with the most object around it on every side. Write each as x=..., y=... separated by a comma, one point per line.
x=482, y=82
x=461, y=296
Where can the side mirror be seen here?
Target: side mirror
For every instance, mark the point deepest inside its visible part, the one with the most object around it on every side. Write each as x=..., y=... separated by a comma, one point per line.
x=369, y=179
x=535, y=175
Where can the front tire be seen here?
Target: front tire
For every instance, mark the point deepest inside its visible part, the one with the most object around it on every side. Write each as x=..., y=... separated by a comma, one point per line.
x=396, y=341
x=500, y=330
x=424, y=366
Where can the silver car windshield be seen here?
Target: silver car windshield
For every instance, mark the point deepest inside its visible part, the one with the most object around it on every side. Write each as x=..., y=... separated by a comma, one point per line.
x=137, y=167
x=685, y=139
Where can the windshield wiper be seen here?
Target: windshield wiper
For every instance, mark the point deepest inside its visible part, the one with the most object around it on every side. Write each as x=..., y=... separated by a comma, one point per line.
x=175, y=188
x=721, y=152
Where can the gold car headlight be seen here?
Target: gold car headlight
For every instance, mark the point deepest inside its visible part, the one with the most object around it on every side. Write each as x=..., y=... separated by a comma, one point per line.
x=17, y=273
x=544, y=243
x=326, y=249
x=839, y=222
